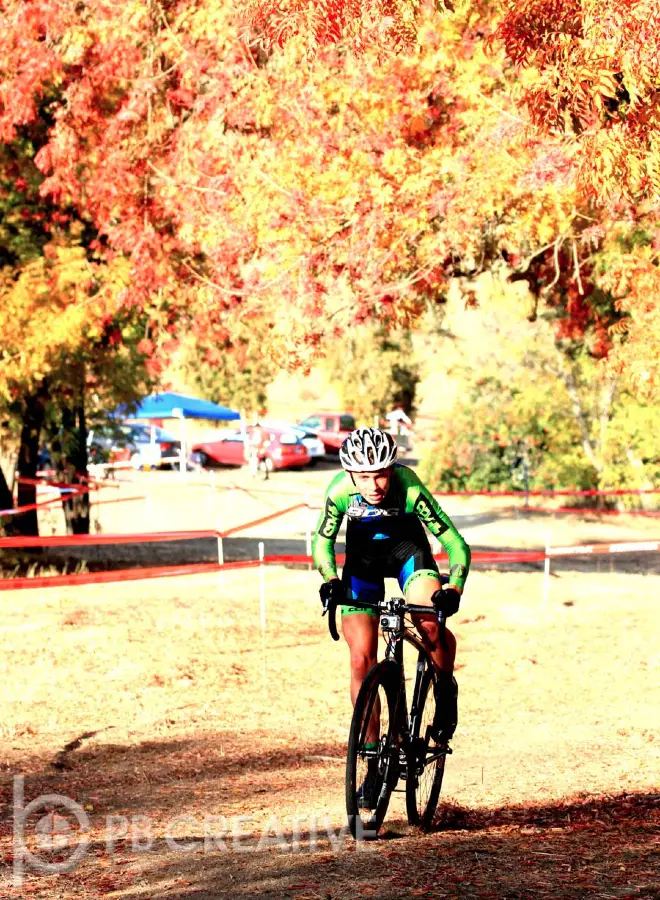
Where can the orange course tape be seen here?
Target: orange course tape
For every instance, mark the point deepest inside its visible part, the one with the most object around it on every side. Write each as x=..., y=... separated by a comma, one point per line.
x=202, y=568
x=72, y=540
x=275, y=515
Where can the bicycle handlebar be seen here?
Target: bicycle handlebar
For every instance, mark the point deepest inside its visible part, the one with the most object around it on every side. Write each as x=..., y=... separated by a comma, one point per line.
x=385, y=606
x=332, y=621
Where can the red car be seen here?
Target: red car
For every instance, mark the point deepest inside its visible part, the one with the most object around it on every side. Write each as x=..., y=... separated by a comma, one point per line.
x=284, y=450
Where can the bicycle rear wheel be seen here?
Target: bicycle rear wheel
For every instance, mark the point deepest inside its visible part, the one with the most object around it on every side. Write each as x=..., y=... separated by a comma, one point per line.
x=372, y=762
x=426, y=758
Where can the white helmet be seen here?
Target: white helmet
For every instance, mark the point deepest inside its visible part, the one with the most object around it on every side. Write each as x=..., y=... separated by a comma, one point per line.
x=367, y=450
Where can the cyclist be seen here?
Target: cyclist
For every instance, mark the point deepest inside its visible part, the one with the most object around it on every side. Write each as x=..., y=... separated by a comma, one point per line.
x=256, y=446
x=386, y=506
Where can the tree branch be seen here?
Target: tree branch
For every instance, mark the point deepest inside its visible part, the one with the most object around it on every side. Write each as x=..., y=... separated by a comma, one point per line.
x=576, y=266
x=569, y=381
x=607, y=399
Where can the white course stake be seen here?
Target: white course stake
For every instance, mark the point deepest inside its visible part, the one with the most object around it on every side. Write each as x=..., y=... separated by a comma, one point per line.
x=262, y=586
x=147, y=501
x=308, y=527
x=546, y=571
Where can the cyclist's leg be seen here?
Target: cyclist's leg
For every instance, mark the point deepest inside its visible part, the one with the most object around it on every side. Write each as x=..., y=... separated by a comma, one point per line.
x=419, y=591
x=419, y=579
x=360, y=630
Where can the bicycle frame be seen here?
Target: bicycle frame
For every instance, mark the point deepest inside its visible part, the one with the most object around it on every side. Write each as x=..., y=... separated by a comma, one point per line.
x=396, y=631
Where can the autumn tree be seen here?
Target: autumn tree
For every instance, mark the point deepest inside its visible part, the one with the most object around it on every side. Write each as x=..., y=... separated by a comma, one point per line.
x=299, y=197
x=230, y=370
x=67, y=338
x=586, y=69
x=583, y=74
x=375, y=371
x=68, y=350
x=69, y=327
x=518, y=397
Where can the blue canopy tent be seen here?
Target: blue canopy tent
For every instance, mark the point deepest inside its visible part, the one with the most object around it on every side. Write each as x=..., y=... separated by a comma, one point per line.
x=171, y=405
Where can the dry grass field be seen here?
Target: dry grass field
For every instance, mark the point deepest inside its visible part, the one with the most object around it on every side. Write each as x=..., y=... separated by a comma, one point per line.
x=188, y=710
x=206, y=755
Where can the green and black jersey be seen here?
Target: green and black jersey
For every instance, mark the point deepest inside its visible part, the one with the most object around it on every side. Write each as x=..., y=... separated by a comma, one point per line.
x=376, y=533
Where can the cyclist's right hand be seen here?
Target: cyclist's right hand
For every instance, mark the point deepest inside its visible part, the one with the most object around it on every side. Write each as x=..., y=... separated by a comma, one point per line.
x=332, y=594
x=446, y=601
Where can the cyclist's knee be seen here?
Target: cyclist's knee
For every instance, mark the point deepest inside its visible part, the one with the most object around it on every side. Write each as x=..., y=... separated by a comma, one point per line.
x=429, y=628
x=431, y=632
x=361, y=662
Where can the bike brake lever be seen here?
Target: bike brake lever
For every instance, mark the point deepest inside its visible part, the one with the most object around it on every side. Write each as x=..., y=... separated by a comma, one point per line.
x=442, y=627
x=332, y=621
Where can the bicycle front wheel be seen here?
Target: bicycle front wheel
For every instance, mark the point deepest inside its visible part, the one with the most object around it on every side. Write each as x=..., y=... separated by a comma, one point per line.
x=372, y=763
x=426, y=758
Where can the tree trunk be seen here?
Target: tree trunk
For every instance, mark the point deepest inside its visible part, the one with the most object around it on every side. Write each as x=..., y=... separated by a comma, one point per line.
x=28, y=459
x=76, y=507
x=6, y=501
x=591, y=448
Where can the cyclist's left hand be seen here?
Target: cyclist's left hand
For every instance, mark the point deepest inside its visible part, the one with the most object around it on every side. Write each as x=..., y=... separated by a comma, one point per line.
x=447, y=601
x=331, y=593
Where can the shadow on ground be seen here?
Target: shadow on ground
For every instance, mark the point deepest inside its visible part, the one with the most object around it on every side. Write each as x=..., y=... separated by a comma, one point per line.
x=597, y=848
x=604, y=849
x=601, y=847
x=160, y=777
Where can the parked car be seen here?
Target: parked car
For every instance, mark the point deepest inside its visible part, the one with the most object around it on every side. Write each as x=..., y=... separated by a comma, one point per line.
x=142, y=445
x=285, y=450
x=331, y=428
x=170, y=447
x=311, y=440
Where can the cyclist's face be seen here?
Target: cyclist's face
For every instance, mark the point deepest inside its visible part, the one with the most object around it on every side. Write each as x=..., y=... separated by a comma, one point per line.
x=373, y=485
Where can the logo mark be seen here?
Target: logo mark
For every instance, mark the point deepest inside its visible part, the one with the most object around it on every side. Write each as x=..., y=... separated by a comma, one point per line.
x=330, y=525
x=426, y=514
x=56, y=842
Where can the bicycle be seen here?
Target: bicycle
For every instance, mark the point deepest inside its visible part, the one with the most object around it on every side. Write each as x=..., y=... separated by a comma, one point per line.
x=405, y=747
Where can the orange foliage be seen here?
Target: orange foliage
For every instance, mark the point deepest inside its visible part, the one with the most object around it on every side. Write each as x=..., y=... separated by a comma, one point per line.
x=302, y=196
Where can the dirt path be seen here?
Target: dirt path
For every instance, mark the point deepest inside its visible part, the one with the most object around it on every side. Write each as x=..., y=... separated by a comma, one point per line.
x=213, y=761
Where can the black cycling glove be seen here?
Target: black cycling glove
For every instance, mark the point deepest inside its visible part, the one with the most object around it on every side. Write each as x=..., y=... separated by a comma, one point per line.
x=446, y=601
x=331, y=592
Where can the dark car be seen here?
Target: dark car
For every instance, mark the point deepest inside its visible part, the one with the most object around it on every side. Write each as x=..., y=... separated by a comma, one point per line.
x=141, y=445
x=285, y=450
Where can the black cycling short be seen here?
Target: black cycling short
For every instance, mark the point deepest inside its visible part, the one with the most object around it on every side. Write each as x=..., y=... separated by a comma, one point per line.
x=364, y=576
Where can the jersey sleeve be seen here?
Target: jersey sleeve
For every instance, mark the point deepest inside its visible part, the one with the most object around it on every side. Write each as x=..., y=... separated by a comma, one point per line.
x=335, y=504
x=421, y=502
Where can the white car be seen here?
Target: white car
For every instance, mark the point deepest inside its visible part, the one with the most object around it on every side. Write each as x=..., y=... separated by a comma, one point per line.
x=311, y=440
x=313, y=443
